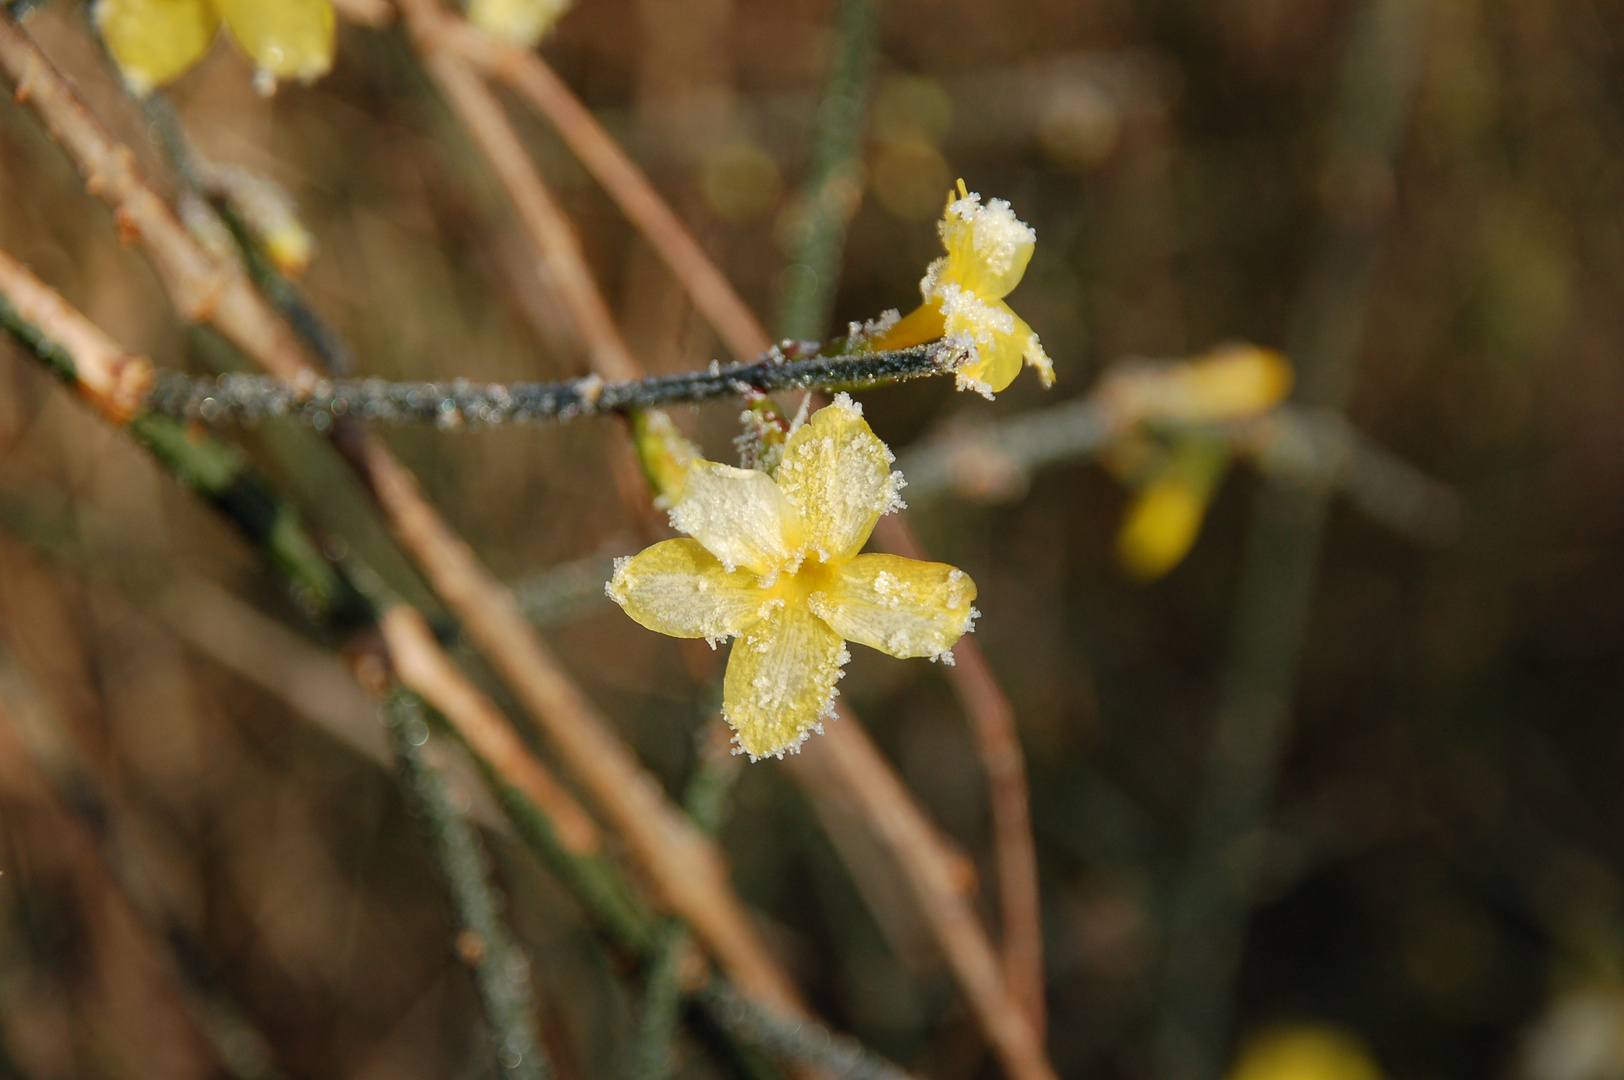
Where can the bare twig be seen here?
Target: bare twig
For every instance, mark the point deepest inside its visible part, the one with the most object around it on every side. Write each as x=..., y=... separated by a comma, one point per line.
x=501, y=969
x=422, y=665
x=1310, y=447
x=246, y=398
x=531, y=77
x=834, y=183
x=552, y=238
x=992, y=722
x=896, y=818
x=792, y=1038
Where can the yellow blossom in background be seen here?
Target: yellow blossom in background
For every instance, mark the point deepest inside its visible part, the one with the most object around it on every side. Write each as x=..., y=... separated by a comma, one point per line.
x=1232, y=382
x=988, y=248
x=1305, y=1052
x=1166, y=513
x=270, y=214
x=156, y=41
x=773, y=562
x=523, y=22
x=1174, y=480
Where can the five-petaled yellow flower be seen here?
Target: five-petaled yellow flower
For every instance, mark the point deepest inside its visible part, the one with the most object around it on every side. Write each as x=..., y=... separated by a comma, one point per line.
x=774, y=562
x=158, y=41
x=988, y=248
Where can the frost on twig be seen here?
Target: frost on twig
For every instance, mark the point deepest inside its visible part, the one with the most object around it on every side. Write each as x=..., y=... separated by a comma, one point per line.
x=248, y=398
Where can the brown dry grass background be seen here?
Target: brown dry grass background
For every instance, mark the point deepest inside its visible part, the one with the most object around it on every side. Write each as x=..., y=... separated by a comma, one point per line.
x=1443, y=858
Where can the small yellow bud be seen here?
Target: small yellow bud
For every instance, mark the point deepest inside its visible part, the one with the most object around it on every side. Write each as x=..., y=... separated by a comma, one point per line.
x=664, y=454
x=523, y=22
x=155, y=41
x=1161, y=527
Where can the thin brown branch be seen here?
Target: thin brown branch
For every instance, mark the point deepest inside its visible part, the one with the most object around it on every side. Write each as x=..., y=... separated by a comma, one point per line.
x=992, y=721
x=552, y=238
x=685, y=867
x=112, y=380
x=421, y=664
x=897, y=819
x=534, y=80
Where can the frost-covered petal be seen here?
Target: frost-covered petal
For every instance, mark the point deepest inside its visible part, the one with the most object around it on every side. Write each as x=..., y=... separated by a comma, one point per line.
x=903, y=607
x=288, y=39
x=740, y=516
x=988, y=247
x=677, y=587
x=155, y=41
x=781, y=679
x=837, y=473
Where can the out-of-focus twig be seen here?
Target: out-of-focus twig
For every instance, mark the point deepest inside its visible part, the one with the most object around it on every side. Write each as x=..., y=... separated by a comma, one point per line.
x=539, y=213
x=793, y=1039
x=938, y=888
x=1209, y=906
x=1311, y=447
x=834, y=182
x=532, y=79
x=501, y=969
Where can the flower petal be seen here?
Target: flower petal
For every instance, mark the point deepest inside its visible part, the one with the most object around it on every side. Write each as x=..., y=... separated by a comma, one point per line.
x=838, y=474
x=903, y=607
x=988, y=247
x=678, y=588
x=740, y=516
x=1161, y=526
x=290, y=39
x=155, y=41
x=781, y=680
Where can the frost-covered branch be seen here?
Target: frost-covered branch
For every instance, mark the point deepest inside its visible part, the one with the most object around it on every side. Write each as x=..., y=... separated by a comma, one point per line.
x=246, y=398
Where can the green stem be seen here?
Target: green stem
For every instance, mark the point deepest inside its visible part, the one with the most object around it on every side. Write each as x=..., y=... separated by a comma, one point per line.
x=834, y=184
x=501, y=969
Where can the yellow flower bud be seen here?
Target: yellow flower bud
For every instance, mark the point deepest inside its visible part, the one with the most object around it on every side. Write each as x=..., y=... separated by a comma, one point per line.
x=155, y=41
x=523, y=22
x=286, y=39
x=1306, y=1052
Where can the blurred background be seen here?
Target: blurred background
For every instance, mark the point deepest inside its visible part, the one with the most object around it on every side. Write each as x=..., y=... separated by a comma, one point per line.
x=1418, y=201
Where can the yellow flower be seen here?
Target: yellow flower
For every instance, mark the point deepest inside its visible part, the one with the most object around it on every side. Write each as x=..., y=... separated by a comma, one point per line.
x=523, y=22
x=157, y=41
x=774, y=563
x=1232, y=382
x=1175, y=485
x=988, y=248
x=1306, y=1052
